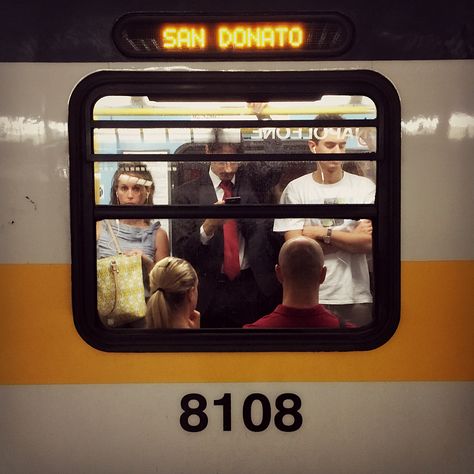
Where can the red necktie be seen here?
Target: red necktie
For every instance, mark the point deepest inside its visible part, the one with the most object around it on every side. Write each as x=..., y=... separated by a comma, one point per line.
x=231, y=265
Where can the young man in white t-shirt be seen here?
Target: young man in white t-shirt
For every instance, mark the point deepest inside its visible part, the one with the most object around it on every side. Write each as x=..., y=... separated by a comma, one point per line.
x=346, y=243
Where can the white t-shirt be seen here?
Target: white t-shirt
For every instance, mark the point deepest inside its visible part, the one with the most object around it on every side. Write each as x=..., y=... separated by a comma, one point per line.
x=347, y=280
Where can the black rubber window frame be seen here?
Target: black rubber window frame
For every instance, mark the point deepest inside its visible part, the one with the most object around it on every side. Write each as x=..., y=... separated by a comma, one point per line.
x=251, y=87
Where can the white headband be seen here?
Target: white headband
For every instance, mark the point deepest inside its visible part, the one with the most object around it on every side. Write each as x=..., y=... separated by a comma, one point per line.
x=134, y=180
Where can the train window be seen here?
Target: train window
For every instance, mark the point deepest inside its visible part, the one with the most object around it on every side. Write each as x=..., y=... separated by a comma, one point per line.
x=155, y=155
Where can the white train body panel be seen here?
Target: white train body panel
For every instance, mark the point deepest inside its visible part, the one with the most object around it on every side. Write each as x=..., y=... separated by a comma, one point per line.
x=404, y=407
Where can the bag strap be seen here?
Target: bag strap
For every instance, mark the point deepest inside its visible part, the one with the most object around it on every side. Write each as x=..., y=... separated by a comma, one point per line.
x=114, y=237
x=115, y=270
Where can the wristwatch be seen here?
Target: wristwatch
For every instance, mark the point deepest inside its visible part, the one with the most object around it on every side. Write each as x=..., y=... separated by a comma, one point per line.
x=327, y=237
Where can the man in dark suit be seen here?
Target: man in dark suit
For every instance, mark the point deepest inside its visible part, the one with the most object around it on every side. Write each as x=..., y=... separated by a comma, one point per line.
x=239, y=295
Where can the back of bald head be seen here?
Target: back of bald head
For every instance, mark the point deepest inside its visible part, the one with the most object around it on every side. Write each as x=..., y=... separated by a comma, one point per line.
x=301, y=260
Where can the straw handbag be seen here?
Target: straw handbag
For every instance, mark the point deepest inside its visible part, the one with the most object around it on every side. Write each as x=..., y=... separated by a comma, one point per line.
x=120, y=290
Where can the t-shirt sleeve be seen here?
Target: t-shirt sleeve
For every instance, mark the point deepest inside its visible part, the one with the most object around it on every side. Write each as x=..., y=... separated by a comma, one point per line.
x=289, y=196
x=369, y=197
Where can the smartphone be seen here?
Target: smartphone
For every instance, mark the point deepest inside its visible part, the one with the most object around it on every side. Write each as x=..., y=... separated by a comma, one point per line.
x=232, y=200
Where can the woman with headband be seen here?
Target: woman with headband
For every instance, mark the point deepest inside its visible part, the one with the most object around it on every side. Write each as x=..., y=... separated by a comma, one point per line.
x=132, y=185
x=174, y=293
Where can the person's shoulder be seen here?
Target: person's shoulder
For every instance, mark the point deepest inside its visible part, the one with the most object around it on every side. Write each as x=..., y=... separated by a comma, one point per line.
x=355, y=178
x=263, y=322
x=301, y=180
x=244, y=187
x=298, y=186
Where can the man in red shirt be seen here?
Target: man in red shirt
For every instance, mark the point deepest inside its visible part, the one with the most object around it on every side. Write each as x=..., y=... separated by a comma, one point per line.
x=301, y=271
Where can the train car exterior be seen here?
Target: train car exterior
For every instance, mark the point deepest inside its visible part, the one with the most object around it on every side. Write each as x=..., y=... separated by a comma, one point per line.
x=405, y=406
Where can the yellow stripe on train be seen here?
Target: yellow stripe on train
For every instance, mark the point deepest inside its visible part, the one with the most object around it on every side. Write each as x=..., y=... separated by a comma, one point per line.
x=39, y=343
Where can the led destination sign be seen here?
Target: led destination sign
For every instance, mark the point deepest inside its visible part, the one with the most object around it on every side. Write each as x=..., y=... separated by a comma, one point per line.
x=224, y=37
x=307, y=36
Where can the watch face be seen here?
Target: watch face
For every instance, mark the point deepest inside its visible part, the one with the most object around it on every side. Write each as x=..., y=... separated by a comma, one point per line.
x=328, y=222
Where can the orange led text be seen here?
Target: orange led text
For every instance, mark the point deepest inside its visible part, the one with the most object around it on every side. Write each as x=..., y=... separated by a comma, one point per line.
x=260, y=37
x=237, y=36
x=184, y=37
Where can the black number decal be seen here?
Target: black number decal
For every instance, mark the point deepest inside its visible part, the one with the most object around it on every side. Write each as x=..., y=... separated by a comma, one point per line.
x=266, y=412
x=225, y=401
x=292, y=411
x=198, y=411
x=294, y=419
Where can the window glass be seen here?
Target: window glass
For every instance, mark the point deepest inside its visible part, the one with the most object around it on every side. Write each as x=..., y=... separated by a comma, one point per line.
x=266, y=140
x=262, y=240
x=146, y=108
x=286, y=131
x=268, y=179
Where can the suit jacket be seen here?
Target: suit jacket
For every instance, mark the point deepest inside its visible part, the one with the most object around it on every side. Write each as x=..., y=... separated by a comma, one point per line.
x=261, y=243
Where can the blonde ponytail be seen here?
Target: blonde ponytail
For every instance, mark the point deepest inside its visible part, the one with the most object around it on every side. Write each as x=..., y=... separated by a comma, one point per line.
x=170, y=279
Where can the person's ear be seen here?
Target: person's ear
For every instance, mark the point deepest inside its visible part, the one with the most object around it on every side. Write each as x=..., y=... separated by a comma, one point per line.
x=278, y=273
x=194, y=320
x=322, y=275
x=312, y=146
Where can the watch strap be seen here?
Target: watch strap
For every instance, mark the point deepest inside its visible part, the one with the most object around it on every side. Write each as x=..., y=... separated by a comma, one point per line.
x=327, y=237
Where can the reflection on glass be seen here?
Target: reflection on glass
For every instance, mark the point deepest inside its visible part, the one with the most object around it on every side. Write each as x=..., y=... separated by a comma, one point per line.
x=262, y=140
x=145, y=108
